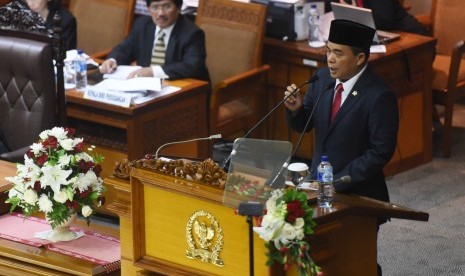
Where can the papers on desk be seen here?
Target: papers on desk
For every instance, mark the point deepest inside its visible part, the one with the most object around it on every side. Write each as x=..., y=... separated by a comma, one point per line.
x=131, y=85
x=124, y=92
x=125, y=99
x=377, y=49
x=122, y=72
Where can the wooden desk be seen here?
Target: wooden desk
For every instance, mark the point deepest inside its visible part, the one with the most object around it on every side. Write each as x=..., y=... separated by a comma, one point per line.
x=406, y=67
x=25, y=260
x=142, y=128
x=6, y=169
x=130, y=133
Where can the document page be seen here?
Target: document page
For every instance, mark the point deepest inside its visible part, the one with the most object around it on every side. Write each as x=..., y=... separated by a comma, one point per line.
x=122, y=72
x=129, y=85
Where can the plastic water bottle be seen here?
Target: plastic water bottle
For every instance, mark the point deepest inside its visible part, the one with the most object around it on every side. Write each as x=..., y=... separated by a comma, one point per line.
x=325, y=183
x=81, y=71
x=315, y=38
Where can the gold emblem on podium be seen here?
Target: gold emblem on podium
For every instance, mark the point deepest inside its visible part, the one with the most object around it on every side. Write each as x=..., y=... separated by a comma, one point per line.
x=205, y=238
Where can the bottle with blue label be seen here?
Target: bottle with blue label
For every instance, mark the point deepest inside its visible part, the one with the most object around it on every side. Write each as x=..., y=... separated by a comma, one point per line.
x=81, y=71
x=325, y=183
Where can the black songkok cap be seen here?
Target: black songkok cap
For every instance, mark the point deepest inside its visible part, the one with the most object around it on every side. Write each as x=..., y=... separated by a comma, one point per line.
x=351, y=33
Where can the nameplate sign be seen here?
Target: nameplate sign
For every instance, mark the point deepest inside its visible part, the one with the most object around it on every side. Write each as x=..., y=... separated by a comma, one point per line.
x=110, y=97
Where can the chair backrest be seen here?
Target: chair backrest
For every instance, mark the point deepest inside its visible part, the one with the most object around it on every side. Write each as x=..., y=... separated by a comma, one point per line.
x=101, y=24
x=234, y=36
x=28, y=92
x=448, y=19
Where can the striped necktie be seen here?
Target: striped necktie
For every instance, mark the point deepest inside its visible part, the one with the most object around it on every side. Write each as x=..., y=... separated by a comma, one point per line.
x=159, y=48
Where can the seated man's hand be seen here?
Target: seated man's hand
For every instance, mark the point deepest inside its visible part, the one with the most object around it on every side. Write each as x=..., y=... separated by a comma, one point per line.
x=143, y=72
x=108, y=66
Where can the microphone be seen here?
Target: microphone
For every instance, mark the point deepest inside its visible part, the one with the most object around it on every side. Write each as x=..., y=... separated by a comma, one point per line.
x=284, y=167
x=343, y=179
x=226, y=161
x=211, y=137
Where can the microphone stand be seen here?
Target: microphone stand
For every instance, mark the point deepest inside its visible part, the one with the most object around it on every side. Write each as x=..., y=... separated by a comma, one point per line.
x=270, y=183
x=250, y=209
x=215, y=136
x=225, y=162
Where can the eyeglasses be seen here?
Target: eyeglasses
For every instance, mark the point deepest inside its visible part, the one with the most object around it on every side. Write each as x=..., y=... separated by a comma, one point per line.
x=164, y=7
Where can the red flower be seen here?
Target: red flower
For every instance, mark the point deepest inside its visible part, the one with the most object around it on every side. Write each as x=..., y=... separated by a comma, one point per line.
x=29, y=153
x=72, y=204
x=70, y=131
x=37, y=186
x=79, y=147
x=51, y=142
x=294, y=211
x=83, y=194
x=97, y=169
x=85, y=166
x=42, y=159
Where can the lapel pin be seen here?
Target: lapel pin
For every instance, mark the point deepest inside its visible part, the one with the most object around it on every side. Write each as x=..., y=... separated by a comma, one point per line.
x=354, y=93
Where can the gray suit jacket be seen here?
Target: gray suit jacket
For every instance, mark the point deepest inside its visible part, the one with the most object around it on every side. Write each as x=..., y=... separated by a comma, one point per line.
x=185, y=55
x=363, y=136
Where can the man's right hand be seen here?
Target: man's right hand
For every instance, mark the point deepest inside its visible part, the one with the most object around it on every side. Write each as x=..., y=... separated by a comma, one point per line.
x=294, y=102
x=108, y=66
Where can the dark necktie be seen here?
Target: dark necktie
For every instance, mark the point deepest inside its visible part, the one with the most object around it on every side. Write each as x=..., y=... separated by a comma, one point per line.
x=358, y=3
x=159, y=49
x=337, y=101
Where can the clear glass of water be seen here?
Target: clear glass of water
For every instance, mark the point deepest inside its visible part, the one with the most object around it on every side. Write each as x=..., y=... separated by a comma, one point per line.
x=297, y=173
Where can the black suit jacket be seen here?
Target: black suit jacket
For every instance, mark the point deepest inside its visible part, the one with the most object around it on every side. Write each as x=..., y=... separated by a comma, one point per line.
x=389, y=15
x=184, y=57
x=68, y=26
x=363, y=136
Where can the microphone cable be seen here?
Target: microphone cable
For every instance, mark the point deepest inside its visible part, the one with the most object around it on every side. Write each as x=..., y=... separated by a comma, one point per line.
x=286, y=164
x=225, y=162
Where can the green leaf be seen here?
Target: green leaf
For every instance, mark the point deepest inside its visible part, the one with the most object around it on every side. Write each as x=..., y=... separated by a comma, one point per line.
x=98, y=158
x=13, y=206
x=94, y=195
x=69, y=193
x=13, y=200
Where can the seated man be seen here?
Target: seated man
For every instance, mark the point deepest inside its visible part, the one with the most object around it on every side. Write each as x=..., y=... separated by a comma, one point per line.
x=165, y=44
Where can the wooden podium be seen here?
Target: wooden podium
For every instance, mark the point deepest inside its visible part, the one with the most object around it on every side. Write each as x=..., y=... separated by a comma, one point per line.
x=179, y=227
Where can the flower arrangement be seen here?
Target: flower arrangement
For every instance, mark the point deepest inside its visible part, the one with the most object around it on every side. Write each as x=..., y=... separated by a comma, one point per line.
x=288, y=219
x=58, y=178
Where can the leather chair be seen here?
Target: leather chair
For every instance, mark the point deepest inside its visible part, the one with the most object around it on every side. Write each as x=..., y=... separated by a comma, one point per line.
x=102, y=24
x=29, y=96
x=448, y=19
x=234, y=33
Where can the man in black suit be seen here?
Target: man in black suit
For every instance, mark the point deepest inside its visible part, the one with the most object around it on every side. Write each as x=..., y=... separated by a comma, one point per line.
x=356, y=128
x=389, y=15
x=184, y=44
x=362, y=137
